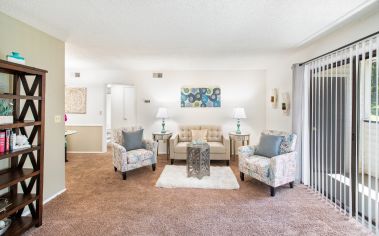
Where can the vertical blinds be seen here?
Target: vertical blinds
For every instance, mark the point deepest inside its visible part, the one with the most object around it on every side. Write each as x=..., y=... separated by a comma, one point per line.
x=343, y=120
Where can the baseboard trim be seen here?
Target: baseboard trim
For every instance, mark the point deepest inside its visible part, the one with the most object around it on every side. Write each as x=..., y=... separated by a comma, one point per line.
x=27, y=212
x=54, y=196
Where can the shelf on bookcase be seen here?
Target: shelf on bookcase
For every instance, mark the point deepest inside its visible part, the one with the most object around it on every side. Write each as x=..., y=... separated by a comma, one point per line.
x=15, y=68
x=20, y=226
x=18, y=202
x=18, y=152
x=11, y=96
x=9, y=177
x=19, y=124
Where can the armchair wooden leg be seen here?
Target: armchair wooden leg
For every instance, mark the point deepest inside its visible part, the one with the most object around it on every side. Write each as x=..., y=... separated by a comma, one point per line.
x=291, y=184
x=115, y=168
x=153, y=166
x=172, y=161
x=242, y=176
x=124, y=175
x=272, y=190
x=227, y=162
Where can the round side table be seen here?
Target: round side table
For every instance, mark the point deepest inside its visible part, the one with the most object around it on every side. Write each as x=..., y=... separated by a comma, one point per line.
x=234, y=137
x=165, y=137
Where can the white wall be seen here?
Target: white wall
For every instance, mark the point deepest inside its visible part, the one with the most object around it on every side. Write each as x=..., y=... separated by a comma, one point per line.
x=245, y=88
x=276, y=64
x=95, y=108
x=220, y=71
x=355, y=30
x=238, y=89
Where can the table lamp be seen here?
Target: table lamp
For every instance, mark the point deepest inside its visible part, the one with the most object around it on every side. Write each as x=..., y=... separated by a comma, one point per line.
x=239, y=113
x=162, y=113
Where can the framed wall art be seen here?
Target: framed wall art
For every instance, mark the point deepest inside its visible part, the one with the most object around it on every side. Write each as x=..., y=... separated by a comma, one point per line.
x=200, y=97
x=76, y=100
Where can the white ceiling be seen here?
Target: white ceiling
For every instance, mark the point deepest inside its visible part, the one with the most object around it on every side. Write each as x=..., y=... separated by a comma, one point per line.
x=182, y=27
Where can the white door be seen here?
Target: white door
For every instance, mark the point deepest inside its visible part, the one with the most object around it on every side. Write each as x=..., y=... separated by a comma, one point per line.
x=130, y=105
x=123, y=106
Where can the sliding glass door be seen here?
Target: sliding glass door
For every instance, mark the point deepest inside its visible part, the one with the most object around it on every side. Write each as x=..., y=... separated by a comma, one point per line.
x=343, y=130
x=329, y=142
x=367, y=155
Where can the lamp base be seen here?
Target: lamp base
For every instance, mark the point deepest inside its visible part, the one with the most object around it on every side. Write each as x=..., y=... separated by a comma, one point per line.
x=238, y=131
x=163, y=126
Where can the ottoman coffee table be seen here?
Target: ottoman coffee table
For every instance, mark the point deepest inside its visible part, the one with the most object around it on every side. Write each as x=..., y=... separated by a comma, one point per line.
x=198, y=162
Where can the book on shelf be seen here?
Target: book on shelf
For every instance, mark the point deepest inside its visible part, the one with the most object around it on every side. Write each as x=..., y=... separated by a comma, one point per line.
x=7, y=139
x=2, y=141
x=12, y=141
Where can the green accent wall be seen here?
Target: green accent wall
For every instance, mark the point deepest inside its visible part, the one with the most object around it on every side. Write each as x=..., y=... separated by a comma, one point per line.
x=43, y=51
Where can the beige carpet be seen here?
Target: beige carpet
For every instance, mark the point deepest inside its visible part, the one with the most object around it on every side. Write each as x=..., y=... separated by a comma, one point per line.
x=98, y=202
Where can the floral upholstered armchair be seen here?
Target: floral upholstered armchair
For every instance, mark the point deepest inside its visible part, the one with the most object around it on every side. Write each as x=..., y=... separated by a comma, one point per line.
x=275, y=171
x=124, y=161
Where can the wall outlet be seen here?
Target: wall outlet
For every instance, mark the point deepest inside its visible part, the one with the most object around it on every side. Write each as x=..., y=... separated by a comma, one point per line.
x=57, y=119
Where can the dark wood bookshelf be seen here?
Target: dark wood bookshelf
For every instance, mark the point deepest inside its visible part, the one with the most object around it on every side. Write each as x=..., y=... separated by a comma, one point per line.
x=21, y=225
x=19, y=124
x=16, y=153
x=20, y=201
x=11, y=96
x=9, y=177
x=25, y=185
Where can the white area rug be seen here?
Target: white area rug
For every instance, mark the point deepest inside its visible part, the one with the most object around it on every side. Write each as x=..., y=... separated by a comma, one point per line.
x=174, y=176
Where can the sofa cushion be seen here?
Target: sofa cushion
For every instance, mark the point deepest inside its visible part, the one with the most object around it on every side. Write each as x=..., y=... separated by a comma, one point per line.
x=181, y=147
x=185, y=134
x=214, y=133
x=132, y=140
x=199, y=135
x=269, y=145
x=138, y=155
x=289, y=141
x=288, y=144
x=216, y=147
x=117, y=133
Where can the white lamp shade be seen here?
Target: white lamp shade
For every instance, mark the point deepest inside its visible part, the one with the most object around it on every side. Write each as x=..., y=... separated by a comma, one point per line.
x=162, y=113
x=239, y=113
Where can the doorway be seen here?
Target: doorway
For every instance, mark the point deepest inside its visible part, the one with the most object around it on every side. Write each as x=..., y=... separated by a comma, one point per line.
x=120, y=107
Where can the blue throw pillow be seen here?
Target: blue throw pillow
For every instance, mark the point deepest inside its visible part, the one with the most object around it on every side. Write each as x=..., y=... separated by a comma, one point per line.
x=132, y=140
x=269, y=145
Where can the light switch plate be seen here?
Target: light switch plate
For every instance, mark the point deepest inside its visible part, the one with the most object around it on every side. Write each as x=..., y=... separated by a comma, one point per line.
x=57, y=119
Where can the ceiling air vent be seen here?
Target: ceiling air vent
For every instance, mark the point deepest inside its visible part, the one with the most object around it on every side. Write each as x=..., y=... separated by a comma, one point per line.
x=157, y=75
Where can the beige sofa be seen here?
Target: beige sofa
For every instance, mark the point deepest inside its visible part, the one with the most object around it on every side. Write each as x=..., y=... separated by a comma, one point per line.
x=219, y=145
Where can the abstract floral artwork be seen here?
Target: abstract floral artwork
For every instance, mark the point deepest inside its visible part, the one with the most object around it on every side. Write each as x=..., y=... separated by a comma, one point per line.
x=201, y=97
x=76, y=100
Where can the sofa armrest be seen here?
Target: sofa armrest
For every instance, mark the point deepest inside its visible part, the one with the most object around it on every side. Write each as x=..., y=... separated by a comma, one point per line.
x=119, y=156
x=284, y=165
x=226, y=142
x=151, y=146
x=173, y=142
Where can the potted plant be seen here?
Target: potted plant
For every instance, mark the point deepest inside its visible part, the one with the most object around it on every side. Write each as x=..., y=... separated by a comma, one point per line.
x=6, y=111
